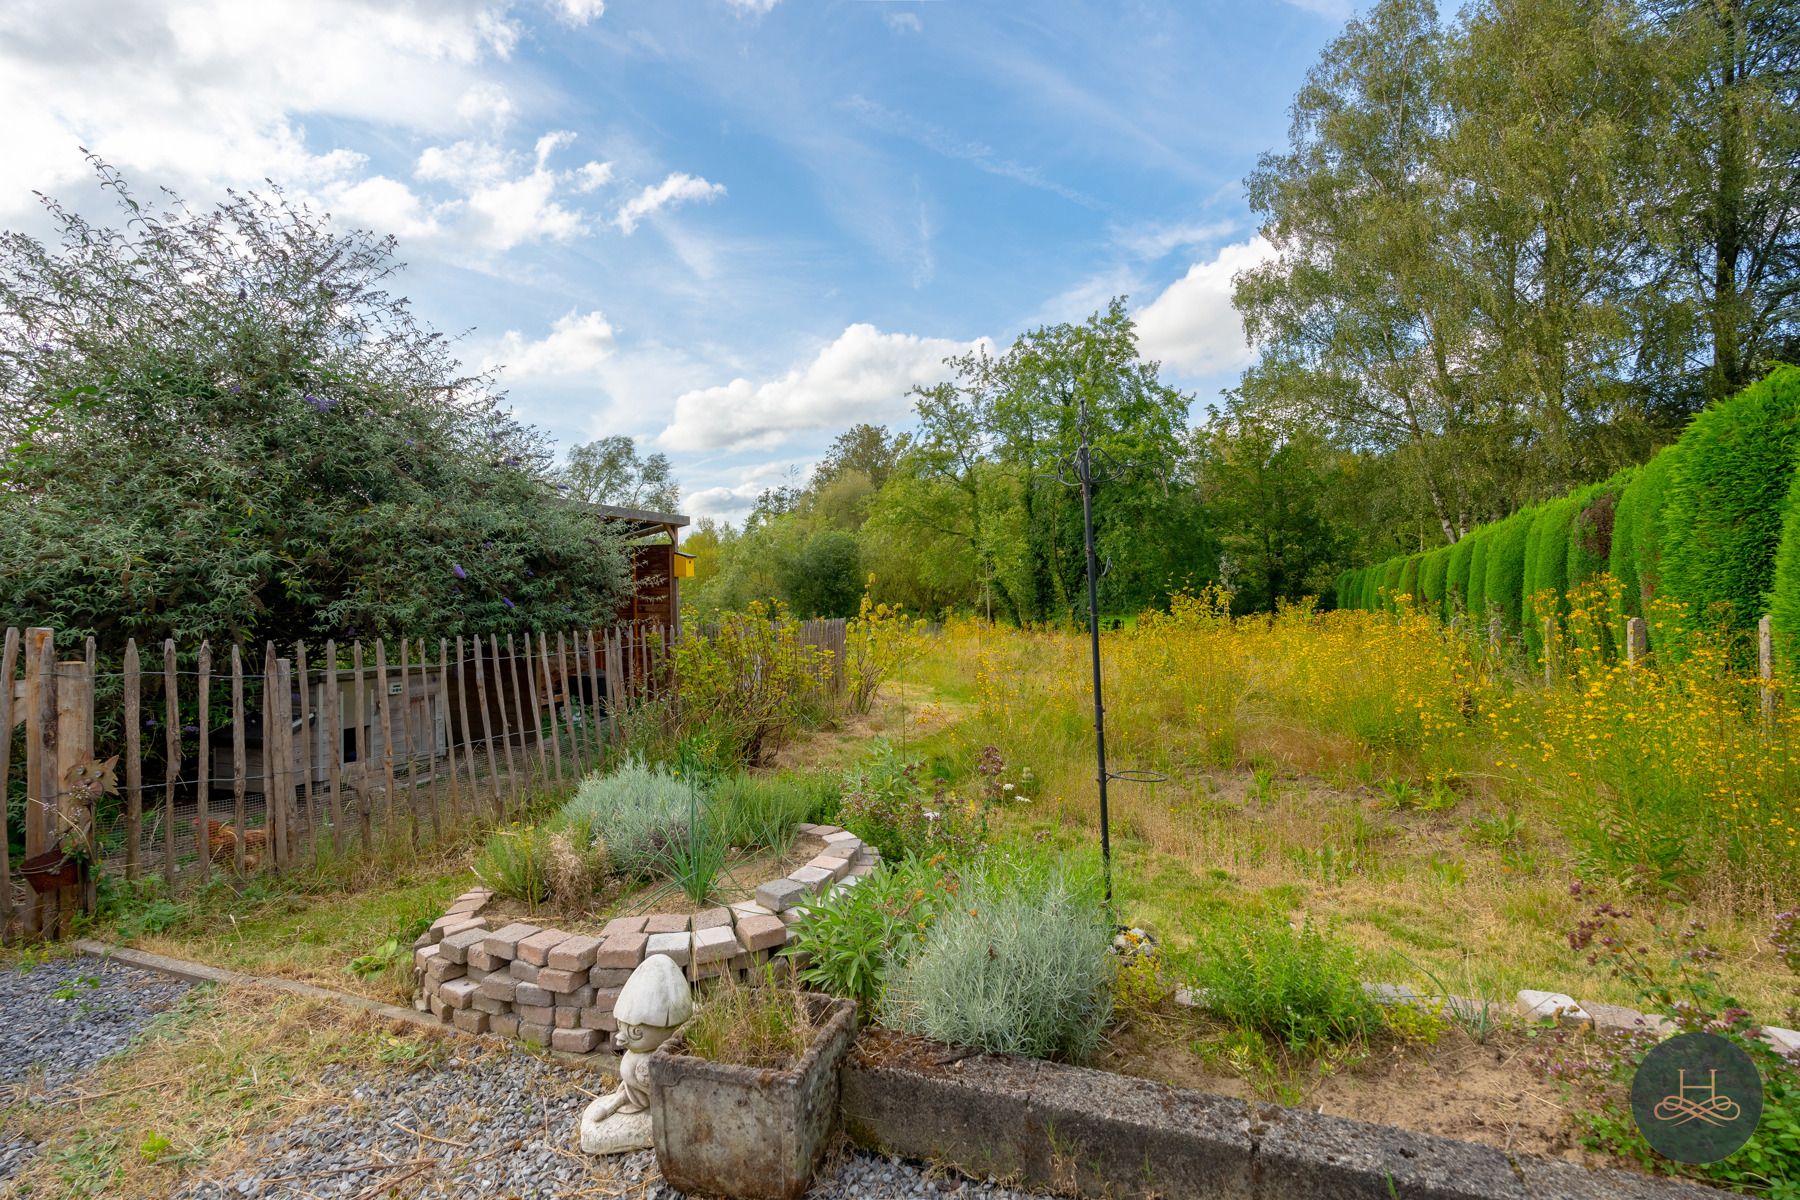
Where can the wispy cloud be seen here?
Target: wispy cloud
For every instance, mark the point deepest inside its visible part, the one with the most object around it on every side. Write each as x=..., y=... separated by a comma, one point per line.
x=678, y=188
x=942, y=141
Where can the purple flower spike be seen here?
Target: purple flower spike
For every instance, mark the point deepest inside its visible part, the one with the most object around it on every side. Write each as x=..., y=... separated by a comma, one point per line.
x=459, y=572
x=322, y=404
x=506, y=601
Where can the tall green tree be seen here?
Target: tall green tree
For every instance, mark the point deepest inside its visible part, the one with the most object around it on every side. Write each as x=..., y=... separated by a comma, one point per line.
x=224, y=424
x=609, y=470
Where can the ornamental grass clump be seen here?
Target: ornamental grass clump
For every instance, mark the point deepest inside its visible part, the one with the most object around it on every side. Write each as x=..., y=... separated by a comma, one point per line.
x=1020, y=965
x=766, y=1027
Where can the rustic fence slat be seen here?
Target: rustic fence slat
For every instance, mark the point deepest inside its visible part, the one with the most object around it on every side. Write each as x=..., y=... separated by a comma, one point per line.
x=1765, y=669
x=487, y=726
x=203, y=761
x=172, y=748
x=536, y=694
x=240, y=828
x=305, y=759
x=441, y=712
x=549, y=694
x=278, y=768
x=590, y=664
x=467, y=731
x=269, y=768
x=40, y=762
x=333, y=732
x=385, y=709
x=9, y=658
x=408, y=751
x=74, y=746
x=365, y=801
x=519, y=694
x=571, y=692
x=131, y=706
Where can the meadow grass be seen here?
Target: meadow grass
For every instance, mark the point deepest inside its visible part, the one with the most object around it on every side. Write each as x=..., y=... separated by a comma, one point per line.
x=1381, y=773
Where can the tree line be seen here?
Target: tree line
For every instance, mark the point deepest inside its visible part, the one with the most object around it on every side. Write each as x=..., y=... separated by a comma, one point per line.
x=1513, y=251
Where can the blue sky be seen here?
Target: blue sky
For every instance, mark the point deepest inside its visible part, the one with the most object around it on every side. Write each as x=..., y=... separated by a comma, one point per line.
x=728, y=228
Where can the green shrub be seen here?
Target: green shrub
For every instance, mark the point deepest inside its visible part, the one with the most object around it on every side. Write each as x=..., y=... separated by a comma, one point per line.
x=887, y=804
x=1433, y=573
x=1456, y=577
x=762, y=810
x=1637, y=543
x=852, y=939
x=1480, y=539
x=1409, y=580
x=1591, y=533
x=1391, y=571
x=1340, y=592
x=640, y=810
x=1369, y=597
x=515, y=863
x=1727, y=500
x=1504, y=588
x=1784, y=594
x=1547, y=567
x=1021, y=965
x=1299, y=986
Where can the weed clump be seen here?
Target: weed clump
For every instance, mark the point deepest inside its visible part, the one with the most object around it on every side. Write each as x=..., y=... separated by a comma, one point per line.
x=1299, y=986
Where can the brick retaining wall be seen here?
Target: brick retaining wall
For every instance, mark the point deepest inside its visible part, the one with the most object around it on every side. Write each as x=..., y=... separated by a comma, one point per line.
x=545, y=987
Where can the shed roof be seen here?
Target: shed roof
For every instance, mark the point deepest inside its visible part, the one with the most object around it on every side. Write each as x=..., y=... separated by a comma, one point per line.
x=639, y=522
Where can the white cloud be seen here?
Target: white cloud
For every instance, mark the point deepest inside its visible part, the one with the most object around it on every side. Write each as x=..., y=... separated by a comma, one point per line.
x=862, y=376
x=678, y=188
x=486, y=104
x=1192, y=326
x=593, y=176
x=504, y=204
x=1155, y=241
x=201, y=93
x=725, y=501
x=577, y=12
x=576, y=346
x=903, y=22
x=383, y=205
x=753, y=7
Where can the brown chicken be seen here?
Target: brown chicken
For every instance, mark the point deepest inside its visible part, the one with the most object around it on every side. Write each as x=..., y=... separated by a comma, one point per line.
x=222, y=839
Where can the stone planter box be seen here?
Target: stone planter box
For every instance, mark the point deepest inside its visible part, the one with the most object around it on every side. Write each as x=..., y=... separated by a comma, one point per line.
x=746, y=1132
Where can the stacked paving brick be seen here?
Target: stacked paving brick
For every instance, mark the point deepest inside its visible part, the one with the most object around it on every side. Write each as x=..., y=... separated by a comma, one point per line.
x=545, y=987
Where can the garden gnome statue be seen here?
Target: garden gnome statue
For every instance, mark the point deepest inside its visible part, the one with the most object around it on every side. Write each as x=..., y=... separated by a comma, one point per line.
x=654, y=1002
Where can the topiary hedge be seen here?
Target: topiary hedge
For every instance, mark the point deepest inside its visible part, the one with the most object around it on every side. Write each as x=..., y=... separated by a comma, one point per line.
x=1591, y=532
x=1547, y=567
x=1727, y=502
x=1504, y=588
x=1433, y=571
x=1456, y=577
x=1409, y=580
x=1637, y=532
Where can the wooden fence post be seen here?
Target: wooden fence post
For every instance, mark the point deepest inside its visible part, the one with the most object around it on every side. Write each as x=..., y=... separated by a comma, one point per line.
x=408, y=752
x=387, y=734
x=274, y=755
x=1637, y=641
x=365, y=804
x=1765, y=667
x=240, y=826
x=549, y=705
x=1496, y=632
x=73, y=815
x=570, y=692
x=132, y=715
x=442, y=711
x=9, y=660
x=172, y=763
x=303, y=688
x=334, y=758
x=487, y=727
x=40, y=761
x=203, y=762
x=519, y=692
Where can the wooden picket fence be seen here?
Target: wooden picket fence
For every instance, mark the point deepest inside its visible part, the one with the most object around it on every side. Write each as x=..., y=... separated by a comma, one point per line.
x=186, y=764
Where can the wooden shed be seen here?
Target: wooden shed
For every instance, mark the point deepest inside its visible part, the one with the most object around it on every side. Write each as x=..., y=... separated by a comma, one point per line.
x=657, y=564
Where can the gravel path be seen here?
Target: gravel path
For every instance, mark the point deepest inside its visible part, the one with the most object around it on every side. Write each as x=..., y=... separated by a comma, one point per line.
x=62, y=1017
x=505, y=1126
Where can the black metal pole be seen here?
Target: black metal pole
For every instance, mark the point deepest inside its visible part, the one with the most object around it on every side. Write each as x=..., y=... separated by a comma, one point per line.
x=1084, y=471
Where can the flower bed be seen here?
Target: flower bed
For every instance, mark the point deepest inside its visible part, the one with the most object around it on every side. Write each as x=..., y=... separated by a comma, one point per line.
x=547, y=987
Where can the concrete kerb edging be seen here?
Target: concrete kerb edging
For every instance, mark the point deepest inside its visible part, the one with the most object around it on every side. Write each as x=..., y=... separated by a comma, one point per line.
x=201, y=973
x=1096, y=1134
